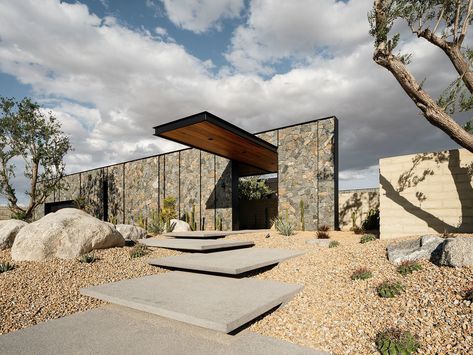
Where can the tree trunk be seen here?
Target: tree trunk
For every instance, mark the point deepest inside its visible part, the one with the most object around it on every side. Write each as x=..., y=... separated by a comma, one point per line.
x=432, y=112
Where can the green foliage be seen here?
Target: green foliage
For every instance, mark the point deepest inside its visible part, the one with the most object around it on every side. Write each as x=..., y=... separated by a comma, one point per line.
x=5, y=266
x=284, y=226
x=367, y=238
x=88, y=258
x=301, y=206
x=408, y=267
x=113, y=219
x=322, y=235
x=27, y=133
x=168, y=211
x=21, y=215
x=388, y=289
x=361, y=274
x=141, y=221
x=396, y=342
x=219, y=223
x=357, y=230
x=371, y=221
x=138, y=251
x=156, y=225
x=333, y=244
x=253, y=188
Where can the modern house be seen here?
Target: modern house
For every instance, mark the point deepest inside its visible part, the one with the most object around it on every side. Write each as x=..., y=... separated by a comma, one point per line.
x=303, y=158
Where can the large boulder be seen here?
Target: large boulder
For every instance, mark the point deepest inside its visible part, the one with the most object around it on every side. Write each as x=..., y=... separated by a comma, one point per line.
x=180, y=226
x=131, y=232
x=427, y=247
x=457, y=252
x=8, y=231
x=66, y=234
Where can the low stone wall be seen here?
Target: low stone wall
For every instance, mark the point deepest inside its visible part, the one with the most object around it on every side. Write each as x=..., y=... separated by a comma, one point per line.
x=4, y=213
x=354, y=206
x=426, y=193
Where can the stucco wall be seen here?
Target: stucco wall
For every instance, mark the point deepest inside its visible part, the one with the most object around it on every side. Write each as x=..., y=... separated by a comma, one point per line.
x=357, y=204
x=426, y=193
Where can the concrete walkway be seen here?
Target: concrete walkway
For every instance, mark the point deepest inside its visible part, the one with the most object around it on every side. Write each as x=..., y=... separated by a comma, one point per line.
x=119, y=330
x=202, y=245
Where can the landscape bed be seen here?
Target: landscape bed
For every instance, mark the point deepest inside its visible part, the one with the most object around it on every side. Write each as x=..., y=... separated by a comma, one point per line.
x=333, y=312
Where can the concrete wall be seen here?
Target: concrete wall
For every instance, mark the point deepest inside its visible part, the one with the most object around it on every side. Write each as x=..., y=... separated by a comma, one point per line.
x=426, y=193
x=4, y=213
x=307, y=171
x=356, y=203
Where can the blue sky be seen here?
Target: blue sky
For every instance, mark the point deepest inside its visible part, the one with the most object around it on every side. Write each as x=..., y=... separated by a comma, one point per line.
x=110, y=70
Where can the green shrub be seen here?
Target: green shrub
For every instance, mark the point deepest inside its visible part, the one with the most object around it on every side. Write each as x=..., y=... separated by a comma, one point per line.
x=361, y=274
x=156, y=225
x=389, y=289
x=138, y=251
x=333, y=244
x=367, y=238
x=285, y=227
x=322, y=235
x=4, y=267
x=357, y=230
x=88, y=258
x=408, y=267
x=371, y=221
x=396, y=342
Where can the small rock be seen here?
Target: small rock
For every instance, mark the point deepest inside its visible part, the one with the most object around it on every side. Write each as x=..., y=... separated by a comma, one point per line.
x=130, y=232
x=8, y=231
x=323, y=243
x=180, y=226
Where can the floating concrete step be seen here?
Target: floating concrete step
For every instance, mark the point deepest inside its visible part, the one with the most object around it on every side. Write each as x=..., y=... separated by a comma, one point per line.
x=195, y=244
x=213, y=302
x=232, y=262
x=197, y=234
x=119, y=330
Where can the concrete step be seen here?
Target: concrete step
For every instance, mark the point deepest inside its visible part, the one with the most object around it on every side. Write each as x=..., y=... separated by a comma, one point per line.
x=232, y=262
x=117, y=330
x=195, y=244
x=213, y=302
x=197, y=234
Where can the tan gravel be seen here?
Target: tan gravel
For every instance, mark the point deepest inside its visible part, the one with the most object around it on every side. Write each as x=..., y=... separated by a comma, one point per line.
x=332, y=313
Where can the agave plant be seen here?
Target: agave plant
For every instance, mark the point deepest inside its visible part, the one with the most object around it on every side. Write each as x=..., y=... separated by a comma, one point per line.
x=396, y=342
x=285, y=227
x=5, y=266
x=388, y=289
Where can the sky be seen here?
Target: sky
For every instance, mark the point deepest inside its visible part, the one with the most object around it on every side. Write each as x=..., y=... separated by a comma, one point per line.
x=110, y=70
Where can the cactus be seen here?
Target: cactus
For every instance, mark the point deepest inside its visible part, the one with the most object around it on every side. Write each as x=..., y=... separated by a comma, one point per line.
x=361, y=274
x=138, y=251
x=113, y=219
x=301, y=205
x=219, y=223
x=190, y=219
x=396, y=342
x=88, y=258
x=389, y=289
x=367, y=238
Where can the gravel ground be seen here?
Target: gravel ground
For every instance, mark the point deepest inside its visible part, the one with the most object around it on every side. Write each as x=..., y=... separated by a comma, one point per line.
x=332, y=313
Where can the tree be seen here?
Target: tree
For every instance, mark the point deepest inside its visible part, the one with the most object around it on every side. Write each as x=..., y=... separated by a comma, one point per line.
x=253, y=189
x=443, y=23
x=27, y=133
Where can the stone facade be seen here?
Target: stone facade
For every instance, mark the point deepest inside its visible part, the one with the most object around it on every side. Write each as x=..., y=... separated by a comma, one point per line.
x=307, y=171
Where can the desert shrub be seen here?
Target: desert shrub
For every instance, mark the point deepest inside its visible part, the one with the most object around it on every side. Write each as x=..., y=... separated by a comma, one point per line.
x=333, y=244
x=367, y=238
x=357, y=230
x=389, y=289
x=361, y=274
x=5, y=266
x=322, y=235
x=469, y=295
x=284, y=226
x=323, y=228
x=408, y=267
x=371, y=222
x=396, y=342
x=88, y=258
x=138, y=251
x=156, y=225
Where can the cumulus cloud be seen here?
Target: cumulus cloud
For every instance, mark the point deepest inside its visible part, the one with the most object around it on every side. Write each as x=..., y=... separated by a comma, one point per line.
x=201, y=15
x=109, y=85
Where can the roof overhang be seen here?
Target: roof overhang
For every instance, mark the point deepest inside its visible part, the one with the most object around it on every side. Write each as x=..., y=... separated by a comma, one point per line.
x=212, y=134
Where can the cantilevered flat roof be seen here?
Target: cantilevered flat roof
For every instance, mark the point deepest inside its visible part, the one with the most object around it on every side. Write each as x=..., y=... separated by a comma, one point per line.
x=212, y=134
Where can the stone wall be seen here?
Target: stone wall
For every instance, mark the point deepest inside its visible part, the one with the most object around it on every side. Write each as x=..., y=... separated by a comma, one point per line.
x=132, y=190
x=426, y=193
x=308, y=172
x=356, y=204
x=4, y=213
